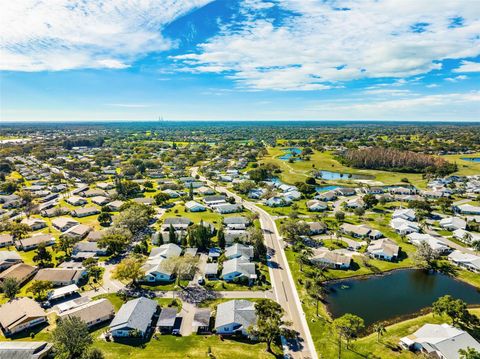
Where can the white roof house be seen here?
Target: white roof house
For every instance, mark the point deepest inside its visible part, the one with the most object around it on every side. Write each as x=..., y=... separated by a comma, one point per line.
x=404, y=226
x=238, y=268
x=465, y=236
x=235, y=316
x=404, y=213
x=238, y=250
x=465, y=260
x=468, y=209
x=384, y=249
x=440, y=341
x=193, y=206
x=436, y=244
x=453, y=223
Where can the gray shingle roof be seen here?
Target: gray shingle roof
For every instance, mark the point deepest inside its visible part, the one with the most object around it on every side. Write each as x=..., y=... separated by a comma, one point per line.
x=135, y=314
x=236, y=311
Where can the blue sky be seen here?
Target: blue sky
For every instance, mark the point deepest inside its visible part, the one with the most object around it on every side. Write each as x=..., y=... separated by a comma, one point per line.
x=240, y=60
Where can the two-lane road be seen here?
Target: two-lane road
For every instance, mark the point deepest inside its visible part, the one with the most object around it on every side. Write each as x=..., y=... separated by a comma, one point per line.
x=283, y=284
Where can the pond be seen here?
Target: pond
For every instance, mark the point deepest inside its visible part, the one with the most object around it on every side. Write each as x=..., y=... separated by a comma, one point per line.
x=291, y=152
x=328, y=175
x=395, y=294
x=471, y=159
x=325, y=188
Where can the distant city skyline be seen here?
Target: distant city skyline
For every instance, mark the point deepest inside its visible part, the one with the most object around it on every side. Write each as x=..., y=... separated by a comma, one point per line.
x=240, y=60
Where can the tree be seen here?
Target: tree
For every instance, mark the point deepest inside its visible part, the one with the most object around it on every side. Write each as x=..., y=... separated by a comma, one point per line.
x=134, y=217
x=292, y=230
x=105, y=219
x=359, y=211
x=161, y=198
x=348, y=326
x=221, y=238
x=455, y=309
x=42, y=257
x=270, y=325
x=9, y=287
x=93, y=354
x=476, y=245
x=339, y=216
x=129, y=269
x=182, y=267
x=190, y=191
x=380, y=329
x=259, y=248
x=425, y=256
x=172, y=236
x=316, y=290
x=95, y=272
x=71, y=338
x=469, y=353
x=370, y=200
x=115, y=243
x=304, y=257
x=65, y=244
x=18, y=230
x=39, y=289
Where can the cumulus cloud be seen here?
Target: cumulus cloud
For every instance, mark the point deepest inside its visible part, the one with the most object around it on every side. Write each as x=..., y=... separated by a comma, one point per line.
x=320, y=43
x=56, y=35
x=468, y=66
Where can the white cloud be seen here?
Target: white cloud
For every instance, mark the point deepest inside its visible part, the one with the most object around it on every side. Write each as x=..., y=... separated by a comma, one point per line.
x=56, y=35
x=321, y=45
x=456, y=78
x=468, y=66
x=451, y=106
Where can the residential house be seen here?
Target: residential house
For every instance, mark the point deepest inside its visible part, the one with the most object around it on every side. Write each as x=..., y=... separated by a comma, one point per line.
x=384, y=249
x=148, y=201
x=92, y=313
x=6, y=240
x=205, y=191
x=8, y=259
x=178, y=223
x=34, y=223
x=316, y=228
x=166, y=320
x=215, y=200
x=232, y=235
x=440, y=341
x=21, y=272
x=60, y=276
x=235, y=317
x=404, y=213
x=94, y=193
x=201, y=321
x=77, y=232
x=115, y=205
x=20, y=314
x=236, y=222
x=277, y=201
x=62, y=292
x=154, y=267
x=76, y=201
x=27, y=244
x=404, y=227
x=211, y=271
x=85, y=212
x=355, y=203
x=345, y=191
x=436, y=244
x=64, y=223
x=238, y=250
x=326, y=196
x=315, y=205
x=331, y=259
x=453, y=223
x=468, y=261
x=238, y=268
x=25, y=350
x=468, y=209
x=85, y=250
x=134, y=318
x=100, y=200
x=229, y=208
x=193, y=206
x=465, y=236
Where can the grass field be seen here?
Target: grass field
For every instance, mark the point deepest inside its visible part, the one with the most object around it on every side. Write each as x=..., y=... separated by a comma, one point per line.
x=300, y=170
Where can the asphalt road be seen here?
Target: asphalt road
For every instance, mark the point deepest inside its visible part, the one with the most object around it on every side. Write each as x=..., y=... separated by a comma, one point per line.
x=283, y=285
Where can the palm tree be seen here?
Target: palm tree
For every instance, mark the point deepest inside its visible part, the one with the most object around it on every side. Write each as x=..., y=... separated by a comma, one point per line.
x=379, y=328
x=304, y=257
x=476, y=246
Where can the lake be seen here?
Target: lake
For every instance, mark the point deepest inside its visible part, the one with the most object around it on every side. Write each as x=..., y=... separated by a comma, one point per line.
x=402, y=292
x=290, y=152
x=328, y=175
x=471, y=159
x=325, y=188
